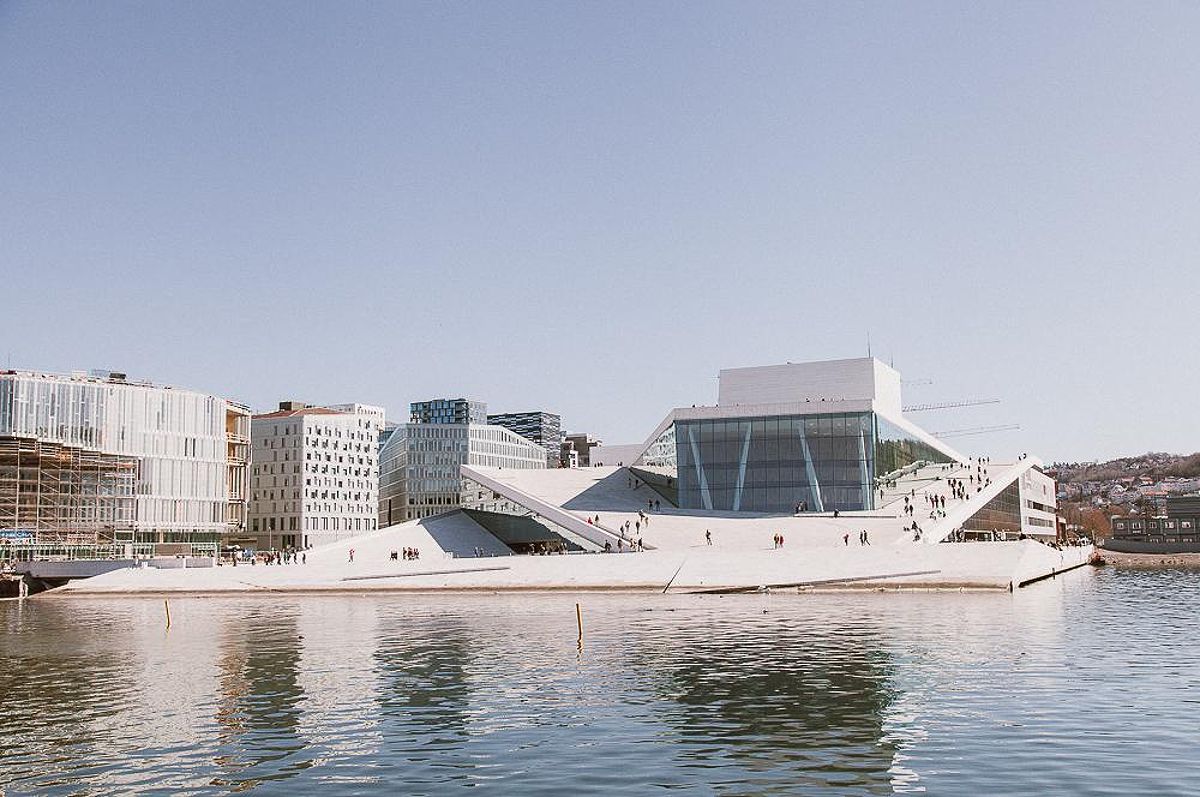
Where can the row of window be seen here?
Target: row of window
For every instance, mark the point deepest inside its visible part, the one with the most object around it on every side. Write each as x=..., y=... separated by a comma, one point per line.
x=1152, y=526
x=314, y=524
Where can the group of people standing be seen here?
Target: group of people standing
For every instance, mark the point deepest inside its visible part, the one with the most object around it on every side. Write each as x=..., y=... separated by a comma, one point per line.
x=410, y=555
x=288, y=556
x=622, y=547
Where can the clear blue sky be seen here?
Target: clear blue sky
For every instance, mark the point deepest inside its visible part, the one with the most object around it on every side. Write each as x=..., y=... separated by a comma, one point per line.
x=591, y=208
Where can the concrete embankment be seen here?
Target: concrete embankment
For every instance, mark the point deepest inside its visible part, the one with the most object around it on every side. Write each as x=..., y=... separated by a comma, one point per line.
x=1150, y=560
x=999, y=566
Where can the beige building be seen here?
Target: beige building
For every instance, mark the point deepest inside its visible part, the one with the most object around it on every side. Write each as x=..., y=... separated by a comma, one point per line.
x=314, y=475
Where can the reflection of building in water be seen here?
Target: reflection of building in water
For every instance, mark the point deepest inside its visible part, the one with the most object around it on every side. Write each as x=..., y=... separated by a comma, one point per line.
x=259, y=697
x=49, y=688
x=812, y=704
x=337, y=676
x=423, y=694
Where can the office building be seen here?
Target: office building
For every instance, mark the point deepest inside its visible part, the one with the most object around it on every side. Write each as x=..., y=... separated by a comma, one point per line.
x=451, y=411
x=315, y=475
x=419, y=465
x=543, y=428
x=99, y=465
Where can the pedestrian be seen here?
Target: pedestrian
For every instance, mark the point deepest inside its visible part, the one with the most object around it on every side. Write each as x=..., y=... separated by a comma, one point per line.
x=304, y=558
x=351, y=554
x=846, y=539
x=656, y=505
x=708, y=536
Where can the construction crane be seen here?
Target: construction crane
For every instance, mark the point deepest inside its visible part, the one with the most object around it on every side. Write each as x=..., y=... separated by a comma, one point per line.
x=1012, y=427
x=949, y=405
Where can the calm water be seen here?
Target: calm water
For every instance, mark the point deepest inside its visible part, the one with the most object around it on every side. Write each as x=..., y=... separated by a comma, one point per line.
x=1083, y=685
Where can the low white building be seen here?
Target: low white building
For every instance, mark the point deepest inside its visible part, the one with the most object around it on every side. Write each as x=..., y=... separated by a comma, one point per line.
x=314, y=476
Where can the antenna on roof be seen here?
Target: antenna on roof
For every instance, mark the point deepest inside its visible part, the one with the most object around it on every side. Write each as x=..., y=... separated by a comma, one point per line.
x=868, y=343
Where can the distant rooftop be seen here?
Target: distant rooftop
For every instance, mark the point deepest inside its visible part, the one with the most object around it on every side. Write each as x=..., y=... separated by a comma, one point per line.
x=292, y=409
x=99, y=376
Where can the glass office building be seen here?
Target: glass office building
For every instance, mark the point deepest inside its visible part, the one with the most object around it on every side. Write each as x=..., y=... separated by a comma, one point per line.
x=448, y=411
x=824, y=462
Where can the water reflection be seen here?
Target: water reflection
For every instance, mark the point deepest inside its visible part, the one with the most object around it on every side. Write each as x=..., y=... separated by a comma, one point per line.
x=764, y=692
x=258, y=705
x=845, y=694
x=57, y=704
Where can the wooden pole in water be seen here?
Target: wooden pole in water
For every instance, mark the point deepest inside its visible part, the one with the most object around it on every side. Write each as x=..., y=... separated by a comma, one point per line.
x=579, y=621
x=167, y=606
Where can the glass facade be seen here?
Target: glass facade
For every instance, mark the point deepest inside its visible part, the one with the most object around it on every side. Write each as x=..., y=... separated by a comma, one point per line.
x=774, y=464
x=896, y=449
x=1002, y=513
x=662, y=452
x=449, y=411
x=543, y=428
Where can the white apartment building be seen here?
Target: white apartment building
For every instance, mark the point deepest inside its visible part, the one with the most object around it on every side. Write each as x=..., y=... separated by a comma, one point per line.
x=314, y=476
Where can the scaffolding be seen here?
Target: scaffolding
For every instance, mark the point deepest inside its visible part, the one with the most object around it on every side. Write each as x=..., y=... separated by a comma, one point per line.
x=57, y=496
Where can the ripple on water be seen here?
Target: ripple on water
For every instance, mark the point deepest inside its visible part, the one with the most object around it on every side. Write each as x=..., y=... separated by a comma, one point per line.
x=1082, y=685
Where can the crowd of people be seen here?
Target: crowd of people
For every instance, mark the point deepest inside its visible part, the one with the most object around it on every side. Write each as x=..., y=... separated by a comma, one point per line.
x=288, y=556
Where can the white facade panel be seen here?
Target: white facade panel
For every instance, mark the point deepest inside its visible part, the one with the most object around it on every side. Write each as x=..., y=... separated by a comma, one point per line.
x=831, y=380
x=189, y=445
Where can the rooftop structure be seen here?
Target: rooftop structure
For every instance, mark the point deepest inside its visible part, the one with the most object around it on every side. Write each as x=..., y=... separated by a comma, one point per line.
x=823, y=437
x=576, y=450
x=448, y=411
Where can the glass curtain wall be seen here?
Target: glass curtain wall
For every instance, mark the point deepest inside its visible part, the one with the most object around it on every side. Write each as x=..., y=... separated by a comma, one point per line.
x=1002, y=513
x=820, y=463
x=776, y=464
x=896, y=449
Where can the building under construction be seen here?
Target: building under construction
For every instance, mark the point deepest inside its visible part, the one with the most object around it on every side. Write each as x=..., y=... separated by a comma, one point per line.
x=95, y=465
x=62, y=497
